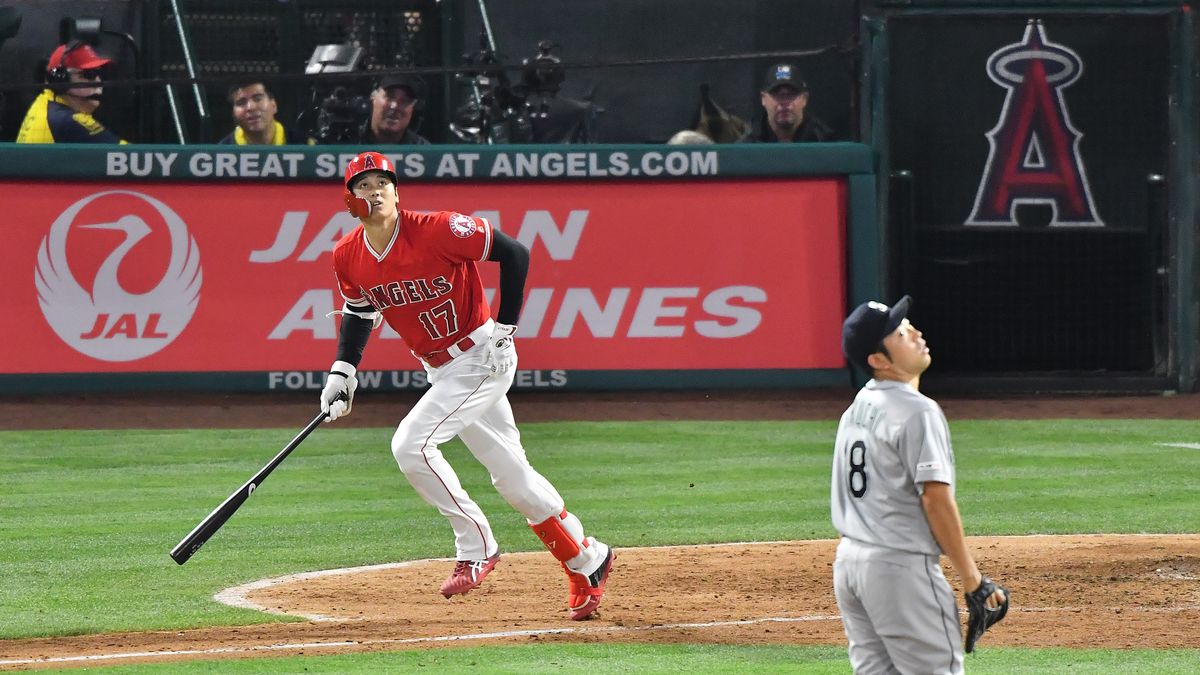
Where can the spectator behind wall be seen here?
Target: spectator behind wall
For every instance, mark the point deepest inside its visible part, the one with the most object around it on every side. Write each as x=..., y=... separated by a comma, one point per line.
x=62, y=113
x=393, y=105
x=254, y=111
x=689, y=137
x=785, y=117
x=390, y=112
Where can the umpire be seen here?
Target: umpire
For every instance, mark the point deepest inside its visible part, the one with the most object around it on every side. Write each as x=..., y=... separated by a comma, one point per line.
x=892, y=500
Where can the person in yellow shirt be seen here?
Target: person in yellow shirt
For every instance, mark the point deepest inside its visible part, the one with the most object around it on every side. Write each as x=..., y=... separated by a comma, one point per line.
x=63, y=112
x=254, y=111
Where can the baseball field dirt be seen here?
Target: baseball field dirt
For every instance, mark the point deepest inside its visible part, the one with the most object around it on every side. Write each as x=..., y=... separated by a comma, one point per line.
x=727, y=594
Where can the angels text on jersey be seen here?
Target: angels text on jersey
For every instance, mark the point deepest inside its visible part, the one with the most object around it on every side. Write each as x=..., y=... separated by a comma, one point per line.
x=406, y=291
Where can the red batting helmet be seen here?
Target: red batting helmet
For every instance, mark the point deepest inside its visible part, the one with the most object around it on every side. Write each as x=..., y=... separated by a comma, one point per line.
x=368, y=161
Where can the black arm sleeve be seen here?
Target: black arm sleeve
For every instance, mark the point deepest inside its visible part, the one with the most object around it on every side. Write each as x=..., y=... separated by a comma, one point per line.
x=353, y=337
x=514, y=265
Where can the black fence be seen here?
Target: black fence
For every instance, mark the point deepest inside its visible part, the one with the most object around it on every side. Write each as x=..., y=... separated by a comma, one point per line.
x=622, y=77
x=231, y=39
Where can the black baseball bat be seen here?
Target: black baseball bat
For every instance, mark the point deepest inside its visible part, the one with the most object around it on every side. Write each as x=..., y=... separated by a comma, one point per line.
x=209, y=526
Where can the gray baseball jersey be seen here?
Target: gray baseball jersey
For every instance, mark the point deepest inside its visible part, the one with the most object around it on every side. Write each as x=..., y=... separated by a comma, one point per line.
x=889, y=442
x=897, y=608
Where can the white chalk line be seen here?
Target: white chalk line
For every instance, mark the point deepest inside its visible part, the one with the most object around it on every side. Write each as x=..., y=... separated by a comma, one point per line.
x=1188, y=446
x=237, y=596
x=486, y=636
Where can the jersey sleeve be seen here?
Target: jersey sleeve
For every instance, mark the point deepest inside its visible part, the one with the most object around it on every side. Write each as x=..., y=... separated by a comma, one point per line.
x=461, y=237
x=351, y=293
x=926, y=448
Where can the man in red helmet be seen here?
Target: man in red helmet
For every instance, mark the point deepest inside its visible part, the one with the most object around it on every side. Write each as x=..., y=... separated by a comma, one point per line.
x=418, y=271
x=63, y=111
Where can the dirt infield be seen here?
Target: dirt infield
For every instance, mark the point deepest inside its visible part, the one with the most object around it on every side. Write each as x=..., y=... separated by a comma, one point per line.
x=1096, y=591
x=1147, y=595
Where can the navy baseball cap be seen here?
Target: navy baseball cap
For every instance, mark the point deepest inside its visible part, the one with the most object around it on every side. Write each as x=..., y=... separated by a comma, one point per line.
x=781, y=74
x=866, y=327
x=408, y=81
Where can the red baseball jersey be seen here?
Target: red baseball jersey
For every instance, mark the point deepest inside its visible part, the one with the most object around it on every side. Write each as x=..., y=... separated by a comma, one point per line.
x=425, y=282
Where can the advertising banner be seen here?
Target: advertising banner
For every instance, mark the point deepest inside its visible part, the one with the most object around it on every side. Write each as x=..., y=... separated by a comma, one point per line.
x=203, y=277
x=434, y=163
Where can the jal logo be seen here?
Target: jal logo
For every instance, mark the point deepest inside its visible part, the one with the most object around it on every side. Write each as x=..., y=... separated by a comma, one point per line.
x=1034, y=156
x=118, y=276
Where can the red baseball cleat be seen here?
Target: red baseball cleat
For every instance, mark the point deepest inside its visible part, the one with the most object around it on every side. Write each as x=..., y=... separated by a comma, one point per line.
x=586, y=591
x=468, y=574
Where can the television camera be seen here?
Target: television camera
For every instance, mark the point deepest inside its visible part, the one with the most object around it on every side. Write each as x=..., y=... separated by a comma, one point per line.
x=340, y=117
x=499, y=111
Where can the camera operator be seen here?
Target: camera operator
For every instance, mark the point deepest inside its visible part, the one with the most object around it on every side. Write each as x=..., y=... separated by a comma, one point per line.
x=386, y=117
x=392, y=106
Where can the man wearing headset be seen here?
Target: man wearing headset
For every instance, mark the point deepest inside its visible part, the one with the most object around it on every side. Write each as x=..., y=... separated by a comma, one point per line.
x=63, y=112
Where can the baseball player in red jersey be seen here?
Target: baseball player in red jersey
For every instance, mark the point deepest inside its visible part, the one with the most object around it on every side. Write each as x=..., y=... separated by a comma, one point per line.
x=418, y=272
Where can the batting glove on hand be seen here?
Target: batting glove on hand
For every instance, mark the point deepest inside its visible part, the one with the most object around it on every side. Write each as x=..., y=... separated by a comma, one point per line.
x=338, y=395
x=502, y=351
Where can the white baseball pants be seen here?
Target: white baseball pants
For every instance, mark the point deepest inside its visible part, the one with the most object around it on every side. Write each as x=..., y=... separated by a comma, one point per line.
x=898, y=611
x=465, y=400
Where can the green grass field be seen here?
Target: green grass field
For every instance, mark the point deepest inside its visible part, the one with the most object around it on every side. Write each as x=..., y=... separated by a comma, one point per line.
x=87, y=517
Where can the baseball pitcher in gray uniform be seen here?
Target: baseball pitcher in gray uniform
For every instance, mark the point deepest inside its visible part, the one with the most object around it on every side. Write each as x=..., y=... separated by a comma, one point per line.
x=892, y=500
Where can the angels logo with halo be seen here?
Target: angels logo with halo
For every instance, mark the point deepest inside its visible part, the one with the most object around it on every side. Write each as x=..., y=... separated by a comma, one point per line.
x=127, y=311
x=1034, y=153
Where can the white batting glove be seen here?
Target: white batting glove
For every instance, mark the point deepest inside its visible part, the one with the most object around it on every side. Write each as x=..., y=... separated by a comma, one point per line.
x=338, y=395
x=502, y=351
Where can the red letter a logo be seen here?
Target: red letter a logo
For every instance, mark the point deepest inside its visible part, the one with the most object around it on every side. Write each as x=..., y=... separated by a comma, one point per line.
x=1034, y=157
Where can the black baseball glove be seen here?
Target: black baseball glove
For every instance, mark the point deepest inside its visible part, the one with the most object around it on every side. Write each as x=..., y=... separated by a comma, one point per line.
x=979, y=617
